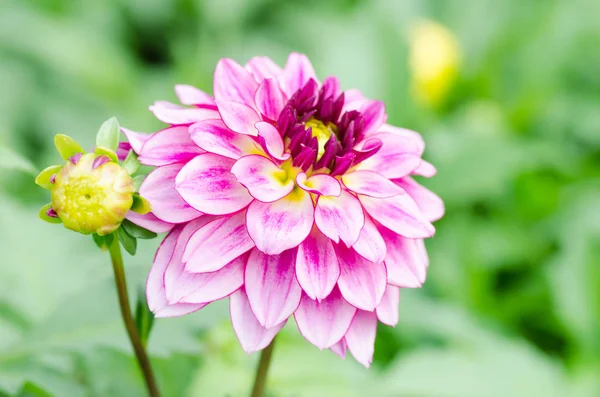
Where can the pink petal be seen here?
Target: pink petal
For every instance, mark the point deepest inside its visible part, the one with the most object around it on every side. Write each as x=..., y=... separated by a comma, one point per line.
x=340, y=217
x=387, y=311
x=340, y=348
x=284, y=224
x=136, y=139
x=400, y=214
x=324, y=323
x=426, y=169
x=238, y=117
x=296, y=74
x=183, y=287
x=217, y=243
x=317, y=268
x=207, y=184
x=178, y=115
x=374, y=116
x=271, y=140
x=159, y=189
x=233, y=83
x=155, y=289
x=271, y=285
x=269, y=99
x=250, y=333
x=406, y=260
x=214, y=137
x=403, y=132
x=398, y=156
x=361, y=282
x=169, y=146
x=371, y=184
x=263, y=68
x=321, y=184
x=264, y=180
x=361, y=337
x=370, y=245
x=428, y=202
x=149, y=222
x=189, y=95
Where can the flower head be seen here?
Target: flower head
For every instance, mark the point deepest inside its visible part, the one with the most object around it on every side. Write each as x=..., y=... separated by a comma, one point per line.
x=291, y=197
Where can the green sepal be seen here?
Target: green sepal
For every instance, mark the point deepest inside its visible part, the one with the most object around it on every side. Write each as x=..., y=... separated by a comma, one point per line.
x=104, y=151
x=103, y=242
x=127, y=241
x=44, y=217
x=140, y=205
x=66, y=146
x=137, y=231
x=144, y=318
x=131, y=163
x=137, y=181
x=108, y=134
x=43, y=178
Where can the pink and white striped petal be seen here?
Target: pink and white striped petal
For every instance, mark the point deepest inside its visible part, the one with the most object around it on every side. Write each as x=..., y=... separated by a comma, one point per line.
x=251, y=334
x=214, y=137
x=374, y=115
x=387, y=310
x=398, y=156
x=321, y=184
x=426, y=169
x=284, y=224
x=190, y=95
x=324, y=323
x=428, y=202
x=340, y=217
x=370, y=244
x=317, y=268
x=136, y=139
x=159, y=189
x=404, y=132
x=217, y=243
x=155, y=287
x=400, y=214
x=271, y=285
x=239, y=117
x=371, y=184
x=270, y=139
x=207, y=184
x=361, y=282
x=169, y=146
x=270, y=99
x=233, y=83
x=340, y=348
x=178, y=115
x=361, y=337
x=406, y=260
x=263, y=68
x=264, y=180
x=298, y=70
x=150, y=222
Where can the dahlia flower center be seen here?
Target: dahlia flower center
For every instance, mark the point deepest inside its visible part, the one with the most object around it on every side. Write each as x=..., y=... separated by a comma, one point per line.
x=320, y=131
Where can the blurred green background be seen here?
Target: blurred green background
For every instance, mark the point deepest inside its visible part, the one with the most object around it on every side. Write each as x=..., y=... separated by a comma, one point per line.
x=511, y=306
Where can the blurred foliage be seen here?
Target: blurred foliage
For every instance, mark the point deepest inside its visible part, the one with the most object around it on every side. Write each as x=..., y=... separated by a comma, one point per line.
x=512, y=303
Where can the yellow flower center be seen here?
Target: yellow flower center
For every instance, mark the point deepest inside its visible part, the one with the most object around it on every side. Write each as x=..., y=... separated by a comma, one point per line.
x=89, y=200
x=320, y=131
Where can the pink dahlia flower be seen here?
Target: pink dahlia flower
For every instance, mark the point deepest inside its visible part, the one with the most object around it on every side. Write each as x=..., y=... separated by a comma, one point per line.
x=290, y=197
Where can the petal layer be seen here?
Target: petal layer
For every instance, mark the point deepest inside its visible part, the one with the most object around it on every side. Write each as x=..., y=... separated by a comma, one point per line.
x=317, y=268
x=264, y=180
x=169, y=146
x=340, y=217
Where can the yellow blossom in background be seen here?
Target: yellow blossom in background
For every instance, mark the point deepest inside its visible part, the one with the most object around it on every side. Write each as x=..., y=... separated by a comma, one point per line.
x=434, y=61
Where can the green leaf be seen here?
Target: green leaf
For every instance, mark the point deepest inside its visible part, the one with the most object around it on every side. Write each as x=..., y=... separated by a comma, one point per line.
x=66, y=146
x=137, y=181
x=144, y=318
x=131, y=163
x=10, y=160
x=43, y=179
x=140, y=205
x=100, y=150
x=137, y=231
x=108, y=134
x=43, y=216
x=127, y=241
x=103, y=242
x=30, y=389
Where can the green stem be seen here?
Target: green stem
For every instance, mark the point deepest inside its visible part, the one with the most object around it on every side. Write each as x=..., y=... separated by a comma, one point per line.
x=261, y=372
x=134, y=337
